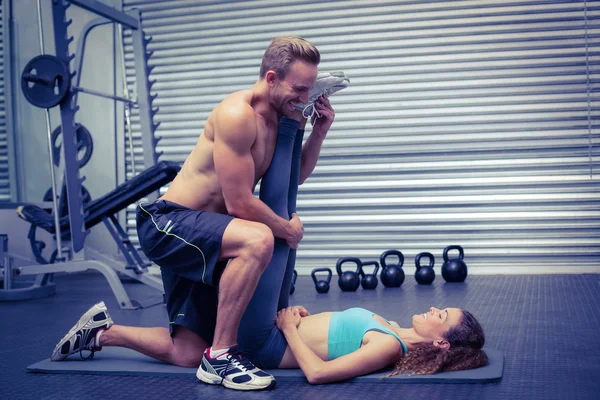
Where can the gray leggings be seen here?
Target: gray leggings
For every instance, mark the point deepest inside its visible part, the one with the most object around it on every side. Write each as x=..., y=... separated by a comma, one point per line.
x=258, y=336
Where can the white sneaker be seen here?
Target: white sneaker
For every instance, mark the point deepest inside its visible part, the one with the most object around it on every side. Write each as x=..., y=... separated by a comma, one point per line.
x=82, y=336
x=327, y=84
x=234, y=371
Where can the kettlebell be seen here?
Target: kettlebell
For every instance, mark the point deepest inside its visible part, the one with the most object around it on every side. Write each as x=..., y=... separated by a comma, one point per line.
x=424, y=274
x=455, y=269
x=322, y=286
x=392, y=275
x=294, y=277
x=348, y=280
x=369, y=281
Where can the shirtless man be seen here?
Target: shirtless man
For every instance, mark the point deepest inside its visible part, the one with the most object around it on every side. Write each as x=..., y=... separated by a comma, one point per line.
x=210, y=234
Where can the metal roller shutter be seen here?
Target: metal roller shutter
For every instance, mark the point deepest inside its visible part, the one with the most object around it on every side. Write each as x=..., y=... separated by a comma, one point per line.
x=471, y=122
x=5, y=194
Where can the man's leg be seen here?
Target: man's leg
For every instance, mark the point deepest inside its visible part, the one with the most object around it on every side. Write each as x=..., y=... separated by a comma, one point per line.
x=192, y=302
x=188, y=246
x=192, y=307
x=190, y=250
x=184, y=348
x=249, y=245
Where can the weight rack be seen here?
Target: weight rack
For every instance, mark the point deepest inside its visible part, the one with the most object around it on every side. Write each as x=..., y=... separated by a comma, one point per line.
x=77, y=260
x=69, y=107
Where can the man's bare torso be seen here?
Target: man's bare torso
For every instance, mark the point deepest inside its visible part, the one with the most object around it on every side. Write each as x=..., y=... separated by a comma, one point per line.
x=197, y=185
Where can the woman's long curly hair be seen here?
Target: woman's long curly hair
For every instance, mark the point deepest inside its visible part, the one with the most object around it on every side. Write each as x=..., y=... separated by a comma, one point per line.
x=466, y=341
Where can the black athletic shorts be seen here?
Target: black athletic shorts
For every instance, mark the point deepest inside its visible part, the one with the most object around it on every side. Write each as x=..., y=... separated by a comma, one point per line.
x=186, y=244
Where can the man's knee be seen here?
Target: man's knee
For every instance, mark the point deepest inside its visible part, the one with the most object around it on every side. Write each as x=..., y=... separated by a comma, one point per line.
x=260, y=244
x=187, y=359
x=187, y=349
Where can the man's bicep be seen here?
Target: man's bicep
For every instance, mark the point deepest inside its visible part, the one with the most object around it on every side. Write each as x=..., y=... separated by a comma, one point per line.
x=233, y=165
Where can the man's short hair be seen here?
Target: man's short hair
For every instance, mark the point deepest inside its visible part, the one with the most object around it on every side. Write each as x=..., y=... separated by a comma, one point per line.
x=283, y=51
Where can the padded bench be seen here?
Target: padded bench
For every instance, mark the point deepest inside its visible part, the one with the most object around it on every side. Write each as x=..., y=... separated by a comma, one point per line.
x=125, y=194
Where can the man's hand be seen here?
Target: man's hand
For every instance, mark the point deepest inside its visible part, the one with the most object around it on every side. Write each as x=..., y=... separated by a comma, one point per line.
x=301, y=310
x=287, y=318
x=297, y=232
x=321, y=125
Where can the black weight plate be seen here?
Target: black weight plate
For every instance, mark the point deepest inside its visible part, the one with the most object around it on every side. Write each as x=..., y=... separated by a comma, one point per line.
x=63, y=207
x=84, y=142
x=45, y=81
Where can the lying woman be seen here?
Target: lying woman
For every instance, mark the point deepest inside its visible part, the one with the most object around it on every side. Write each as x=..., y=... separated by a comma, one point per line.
x=334, y=346
x=329, y=346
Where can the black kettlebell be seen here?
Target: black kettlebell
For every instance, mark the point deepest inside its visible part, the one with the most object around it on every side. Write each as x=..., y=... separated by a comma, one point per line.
x=294, y=277
x=322, y=286
x=455, y=269
x=424, y=274
x=369, y=281
x=392, y=275
x=348, y=280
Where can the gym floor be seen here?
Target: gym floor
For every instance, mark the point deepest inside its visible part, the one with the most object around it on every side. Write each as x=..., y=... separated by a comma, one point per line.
x=547, y=326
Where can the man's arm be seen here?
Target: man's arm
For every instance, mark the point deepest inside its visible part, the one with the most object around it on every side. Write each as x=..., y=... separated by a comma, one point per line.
x=312, y=145
x=235, y=133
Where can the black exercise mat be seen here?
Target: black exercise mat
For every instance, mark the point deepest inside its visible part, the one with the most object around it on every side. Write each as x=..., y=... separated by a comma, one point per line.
x=121, y=361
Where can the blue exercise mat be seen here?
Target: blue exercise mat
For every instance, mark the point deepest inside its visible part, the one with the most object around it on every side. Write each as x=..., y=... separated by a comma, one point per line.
x=121, y=361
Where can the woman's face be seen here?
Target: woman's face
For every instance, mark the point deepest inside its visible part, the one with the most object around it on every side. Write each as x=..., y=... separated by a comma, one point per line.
x=435, y=323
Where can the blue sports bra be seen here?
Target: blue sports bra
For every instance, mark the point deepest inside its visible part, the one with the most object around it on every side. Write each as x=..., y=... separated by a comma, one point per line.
x=347, y=328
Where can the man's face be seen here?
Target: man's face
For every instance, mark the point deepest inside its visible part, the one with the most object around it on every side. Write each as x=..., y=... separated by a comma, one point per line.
x=294, y=87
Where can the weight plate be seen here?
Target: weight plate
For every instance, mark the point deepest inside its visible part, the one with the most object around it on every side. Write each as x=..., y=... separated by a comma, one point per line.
x=45, y=81
x=63, y=207
x=84, y=143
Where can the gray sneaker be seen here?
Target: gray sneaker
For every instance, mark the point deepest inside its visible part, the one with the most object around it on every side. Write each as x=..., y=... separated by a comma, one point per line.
x=327, y=84
x=82, y=336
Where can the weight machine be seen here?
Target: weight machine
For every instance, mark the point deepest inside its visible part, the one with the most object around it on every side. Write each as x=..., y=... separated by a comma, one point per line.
x=47, y=81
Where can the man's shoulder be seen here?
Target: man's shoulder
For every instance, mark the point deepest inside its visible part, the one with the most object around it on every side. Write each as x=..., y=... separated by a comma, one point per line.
x=234, y=116
x=237, y=104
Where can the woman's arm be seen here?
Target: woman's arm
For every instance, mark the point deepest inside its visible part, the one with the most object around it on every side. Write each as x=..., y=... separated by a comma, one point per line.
x=308, y=361
x=373, y=356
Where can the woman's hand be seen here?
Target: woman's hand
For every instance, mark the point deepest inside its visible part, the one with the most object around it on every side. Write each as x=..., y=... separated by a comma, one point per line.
x=303, y=311
x=287, y=318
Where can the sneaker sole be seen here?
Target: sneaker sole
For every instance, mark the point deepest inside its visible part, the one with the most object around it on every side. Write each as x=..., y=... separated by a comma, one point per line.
x=236, y=386
x=56, y=356
x=338, y=74
x=208, y=378
x=212, y=379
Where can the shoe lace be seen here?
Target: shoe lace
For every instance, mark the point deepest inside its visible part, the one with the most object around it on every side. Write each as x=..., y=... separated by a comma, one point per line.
x=309, y=111
x=236, y=360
